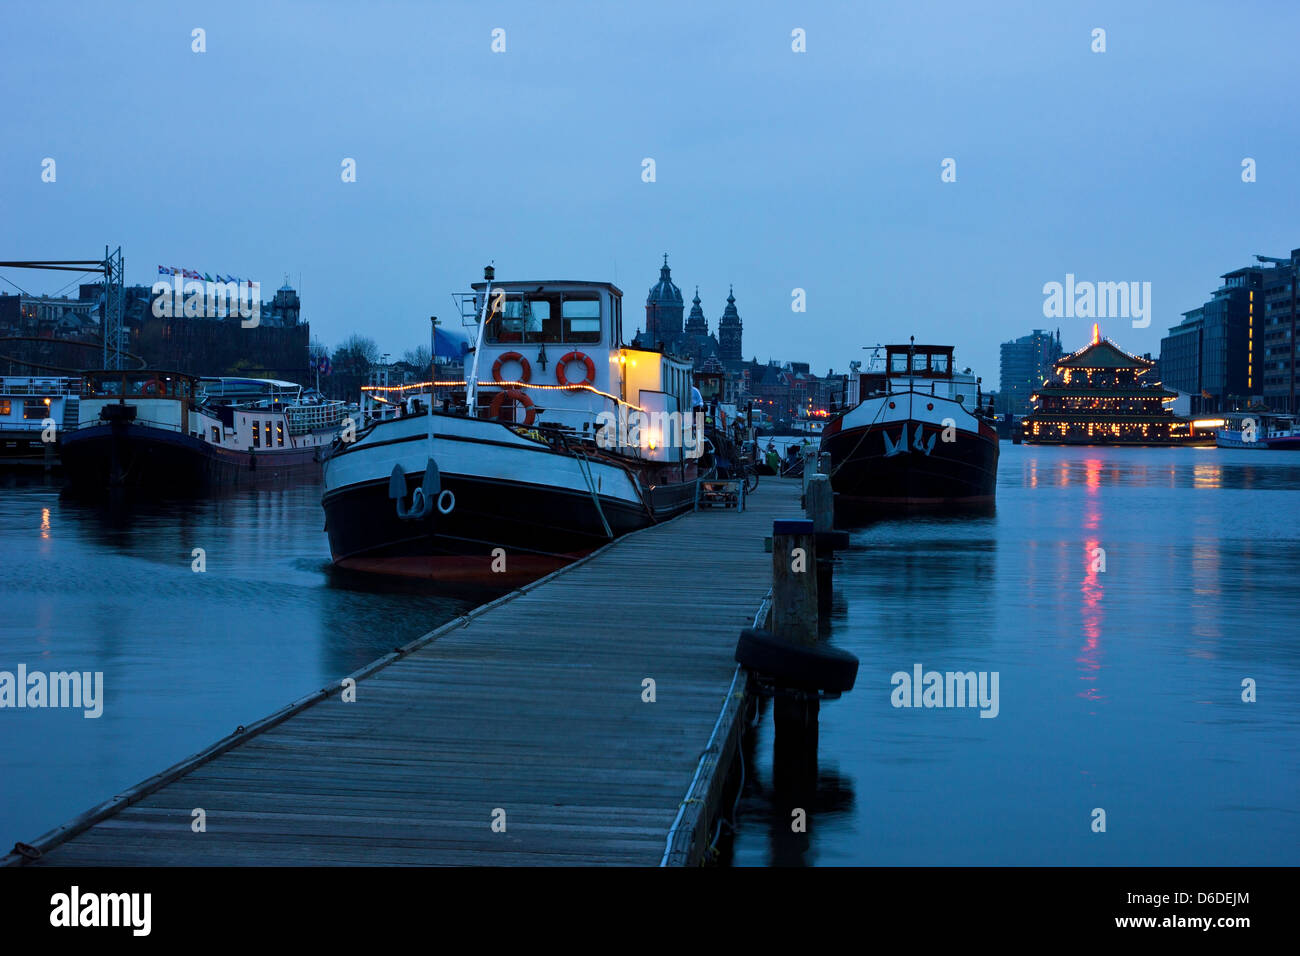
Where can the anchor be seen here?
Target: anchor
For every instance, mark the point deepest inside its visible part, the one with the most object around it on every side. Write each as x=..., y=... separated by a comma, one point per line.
x=423, y=498
x=893, y=448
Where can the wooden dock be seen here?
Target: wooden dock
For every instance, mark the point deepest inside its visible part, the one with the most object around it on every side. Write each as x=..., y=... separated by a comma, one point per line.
x=527, y=710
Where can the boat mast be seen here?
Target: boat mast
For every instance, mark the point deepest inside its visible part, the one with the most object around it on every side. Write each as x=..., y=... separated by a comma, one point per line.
x=433, y=377
x=471, y=390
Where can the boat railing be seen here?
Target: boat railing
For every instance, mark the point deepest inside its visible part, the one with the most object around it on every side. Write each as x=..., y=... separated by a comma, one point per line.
x=307, y=418
x=19, y=386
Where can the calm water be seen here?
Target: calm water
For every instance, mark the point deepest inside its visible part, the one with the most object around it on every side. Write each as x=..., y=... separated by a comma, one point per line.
x=1118, y=690
x=186, y=657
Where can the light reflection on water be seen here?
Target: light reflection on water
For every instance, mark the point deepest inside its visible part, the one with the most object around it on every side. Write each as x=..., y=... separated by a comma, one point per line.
x=1120, y=689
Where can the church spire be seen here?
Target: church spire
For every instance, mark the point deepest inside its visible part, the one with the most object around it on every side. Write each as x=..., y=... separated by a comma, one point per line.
x=696, y=324
x=730, y=330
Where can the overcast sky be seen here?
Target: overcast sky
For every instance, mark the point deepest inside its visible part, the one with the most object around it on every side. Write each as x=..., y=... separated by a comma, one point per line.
x=774, y=170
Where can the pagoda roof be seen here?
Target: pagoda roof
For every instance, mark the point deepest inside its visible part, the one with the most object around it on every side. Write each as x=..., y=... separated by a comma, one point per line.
x=1132, y=391
x=1102, y=417
x=1103, y=354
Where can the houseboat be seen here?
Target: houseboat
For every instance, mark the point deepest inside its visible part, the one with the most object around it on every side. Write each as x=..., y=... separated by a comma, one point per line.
x=34, y=413
x=174, y=435
x=914, y=434
x=1258, y=430
x=1098, y=395
x=557, y=440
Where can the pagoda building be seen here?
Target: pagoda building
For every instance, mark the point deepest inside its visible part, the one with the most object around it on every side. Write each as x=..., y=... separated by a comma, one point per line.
x=1098, y=396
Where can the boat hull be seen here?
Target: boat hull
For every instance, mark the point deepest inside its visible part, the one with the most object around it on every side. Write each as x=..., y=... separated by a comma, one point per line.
x=505, y=508
x=124, y=456
x=884, y=458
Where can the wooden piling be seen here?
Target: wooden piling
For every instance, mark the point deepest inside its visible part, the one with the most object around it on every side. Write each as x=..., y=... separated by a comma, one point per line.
x=794, y=581
x=794, y=618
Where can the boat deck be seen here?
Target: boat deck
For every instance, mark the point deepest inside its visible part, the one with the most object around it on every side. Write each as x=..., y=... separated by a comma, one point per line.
x=530, y=707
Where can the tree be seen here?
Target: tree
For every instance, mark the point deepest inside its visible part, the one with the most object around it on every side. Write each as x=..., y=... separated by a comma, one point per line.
x=352, y=361
x=420, y=357
x=360, y=349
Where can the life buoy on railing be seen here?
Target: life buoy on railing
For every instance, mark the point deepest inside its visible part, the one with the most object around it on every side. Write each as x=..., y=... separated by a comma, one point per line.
x=527, y=372
x=153, y=386
x=576, y=356
x=514, y=395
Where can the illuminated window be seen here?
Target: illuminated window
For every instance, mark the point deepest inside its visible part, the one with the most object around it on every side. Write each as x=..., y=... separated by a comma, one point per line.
x=257, y=435
x=4, y=406
x=266, y=432
x=216, y=435
x=279, y=433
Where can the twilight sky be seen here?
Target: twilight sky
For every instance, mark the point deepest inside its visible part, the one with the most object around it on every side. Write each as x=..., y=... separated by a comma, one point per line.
x=775, y=170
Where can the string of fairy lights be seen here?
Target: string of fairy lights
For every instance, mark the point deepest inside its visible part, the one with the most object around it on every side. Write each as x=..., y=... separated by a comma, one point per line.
x=457, y=383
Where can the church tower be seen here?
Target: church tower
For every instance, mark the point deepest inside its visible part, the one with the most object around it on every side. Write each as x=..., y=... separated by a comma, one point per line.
x=663, y=310
x=729, y=331
x=696, y=324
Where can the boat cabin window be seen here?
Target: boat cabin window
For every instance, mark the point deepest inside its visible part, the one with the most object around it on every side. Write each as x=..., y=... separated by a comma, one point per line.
x=142, y=384
x=581, y=318
x=216, y=435
x=279, y=434
x=546, y=317
x=266, y=433
x=920, y=361
x=257, y=435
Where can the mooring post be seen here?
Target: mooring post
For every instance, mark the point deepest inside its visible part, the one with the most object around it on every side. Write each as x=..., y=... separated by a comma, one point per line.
x=820, y=509
x=794, y=618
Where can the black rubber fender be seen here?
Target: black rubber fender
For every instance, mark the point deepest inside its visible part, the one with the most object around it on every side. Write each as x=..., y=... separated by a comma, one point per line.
x=815, y=667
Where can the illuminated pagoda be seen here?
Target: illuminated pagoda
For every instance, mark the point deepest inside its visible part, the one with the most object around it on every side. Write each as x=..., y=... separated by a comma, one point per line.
x=1097, y=396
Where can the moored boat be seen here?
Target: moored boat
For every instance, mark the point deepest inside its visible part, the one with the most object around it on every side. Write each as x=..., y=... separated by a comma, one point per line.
x=34, y=412
x=914, y=434
x=1258, y=430
x=169, y=434
x=512, y=474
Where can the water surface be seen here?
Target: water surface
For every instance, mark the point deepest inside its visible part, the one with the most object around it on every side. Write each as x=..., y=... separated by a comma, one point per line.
x=186, y=656
x=1119, y=690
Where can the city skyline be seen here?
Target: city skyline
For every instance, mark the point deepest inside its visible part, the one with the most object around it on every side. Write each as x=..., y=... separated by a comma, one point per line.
x=761, y=182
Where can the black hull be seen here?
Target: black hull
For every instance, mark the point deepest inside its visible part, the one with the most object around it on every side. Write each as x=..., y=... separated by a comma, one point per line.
x=125, y=457
x=539, y=528
x=868, y=479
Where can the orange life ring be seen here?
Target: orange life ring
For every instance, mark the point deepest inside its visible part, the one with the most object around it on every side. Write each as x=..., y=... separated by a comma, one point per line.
x=506, y=357
x=576, y=356
x=158, y=387
x=514, y=394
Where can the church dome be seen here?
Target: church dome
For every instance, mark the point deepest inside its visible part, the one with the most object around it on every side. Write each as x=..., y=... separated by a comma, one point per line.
x=665, y=291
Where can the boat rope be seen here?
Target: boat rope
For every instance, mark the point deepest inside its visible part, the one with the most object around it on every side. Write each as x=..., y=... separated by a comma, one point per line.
x=861, y=439
x=584, y=467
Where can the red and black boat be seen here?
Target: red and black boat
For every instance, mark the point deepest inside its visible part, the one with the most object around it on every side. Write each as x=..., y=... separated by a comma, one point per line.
x=915, y=435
